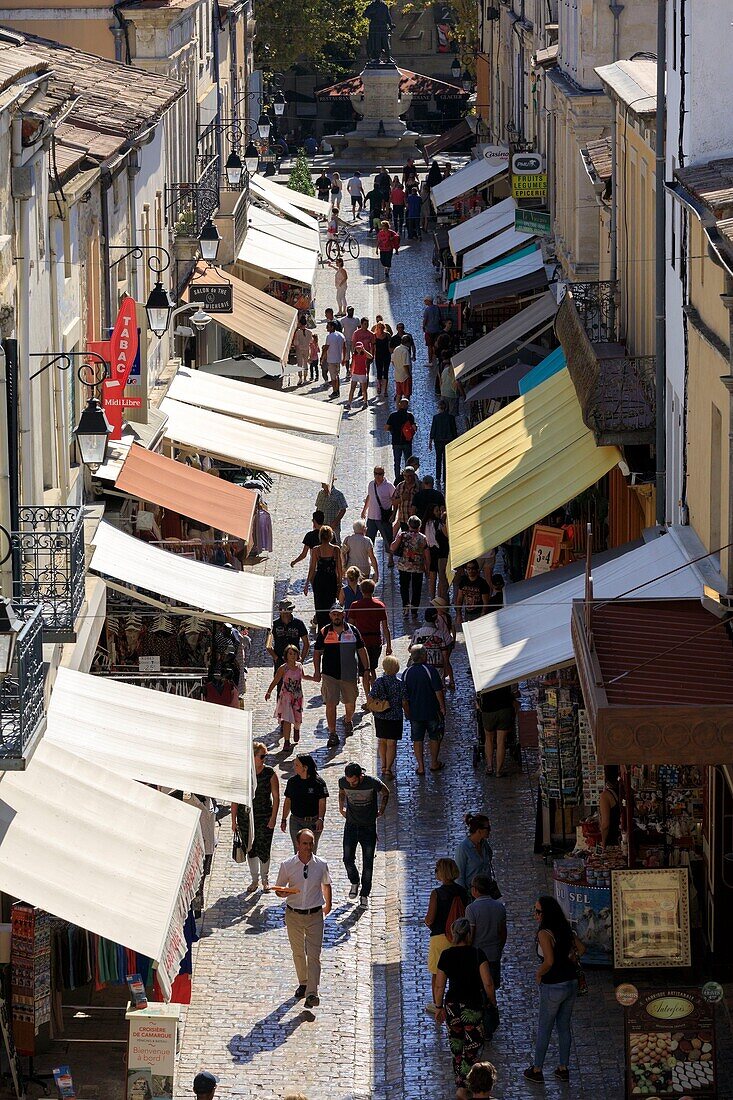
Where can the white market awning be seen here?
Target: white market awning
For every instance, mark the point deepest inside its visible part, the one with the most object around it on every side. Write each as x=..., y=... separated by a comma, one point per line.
x=248, y=444
x=273, y=201
x=495, y=248
x=278, y=257
x=476, y=174
x=278, y=193
x=100, y=851
x=533, y=636
x=496, y=275
x=273, y=408
x=482, y=226
x=283, y=228
x=244, y=598
x=152, y=736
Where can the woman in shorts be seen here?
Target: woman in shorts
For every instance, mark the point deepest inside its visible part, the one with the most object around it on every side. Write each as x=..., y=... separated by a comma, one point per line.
x=360, y=360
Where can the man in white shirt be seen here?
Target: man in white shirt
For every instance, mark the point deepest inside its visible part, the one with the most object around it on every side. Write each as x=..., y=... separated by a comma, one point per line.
x=333, y=355
x=305, y=910
x=402, y=368
x=378, y=509
x=356, y=190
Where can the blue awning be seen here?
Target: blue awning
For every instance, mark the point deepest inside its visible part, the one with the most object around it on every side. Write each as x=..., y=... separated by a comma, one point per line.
x=554, y=362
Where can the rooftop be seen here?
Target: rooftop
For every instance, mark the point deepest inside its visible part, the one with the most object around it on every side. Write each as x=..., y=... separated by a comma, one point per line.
x=711, y=184
x=633, y=82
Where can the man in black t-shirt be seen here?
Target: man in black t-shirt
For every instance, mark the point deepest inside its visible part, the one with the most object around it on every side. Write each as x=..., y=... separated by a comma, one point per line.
x=340, y=652
x=310, y=538
x=358, y=804
x=402, y=447
x=287, y=630
x=473, y=595
x=426, y=498
x=323, y=187
x=305, y=800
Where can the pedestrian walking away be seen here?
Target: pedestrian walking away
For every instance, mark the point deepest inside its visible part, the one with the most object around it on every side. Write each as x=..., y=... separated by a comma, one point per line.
x=358, y=549
x=310, y=539
x=289, y=709
x=464, y=970
x=304, y=804
x=349, y=326
x=402, y=427
x=397, y=338
x=381, y=356
x=448, y=899
x=385, y=701
x=305, y=882
x=378, y=509
x=204, y=1085
x=265, y=804
x=369, y=616
x=339, y=659
x=313, y=357
x=358, y=805
x=388, y=245
x=432, y=324
x=398, y=199
x=355, y=187
x=413, y=208
x=333, y=356
x=558, y=949
x=423, y=702
x=443, y=430
x=487, y=916
x=402, y=369
x=325, y=574
x=341, y=279
x=350, y=590
x=498, y=714
x=435, y=529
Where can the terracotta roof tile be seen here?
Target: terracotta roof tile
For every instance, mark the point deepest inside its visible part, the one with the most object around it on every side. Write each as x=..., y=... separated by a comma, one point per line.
x=17, y=62
x=711, y=183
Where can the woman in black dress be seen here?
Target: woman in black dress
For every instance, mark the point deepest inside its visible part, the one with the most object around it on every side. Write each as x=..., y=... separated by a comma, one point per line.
x=382, y=355
x=265, y=803
x=325, y=575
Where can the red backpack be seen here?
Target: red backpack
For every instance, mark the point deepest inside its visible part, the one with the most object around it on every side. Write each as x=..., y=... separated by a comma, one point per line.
x=456, y=911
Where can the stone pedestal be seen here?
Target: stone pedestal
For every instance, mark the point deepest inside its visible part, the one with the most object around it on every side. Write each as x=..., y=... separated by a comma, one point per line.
x=381, y=106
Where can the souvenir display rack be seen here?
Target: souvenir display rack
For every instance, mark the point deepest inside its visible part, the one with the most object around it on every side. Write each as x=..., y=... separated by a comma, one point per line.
x=666, y=804
x=30, y=959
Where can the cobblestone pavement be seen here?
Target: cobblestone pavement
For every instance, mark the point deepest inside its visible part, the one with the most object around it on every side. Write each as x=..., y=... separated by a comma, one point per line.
x=371, y=1036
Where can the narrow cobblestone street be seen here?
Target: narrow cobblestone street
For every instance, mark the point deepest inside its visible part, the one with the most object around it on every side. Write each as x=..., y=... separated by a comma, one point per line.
x=372, y=1036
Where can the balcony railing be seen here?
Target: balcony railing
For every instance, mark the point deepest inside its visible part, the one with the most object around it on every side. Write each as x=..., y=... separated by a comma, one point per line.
x=49, y=550
x=597, y=308
x=189, y=205
x=22, y=717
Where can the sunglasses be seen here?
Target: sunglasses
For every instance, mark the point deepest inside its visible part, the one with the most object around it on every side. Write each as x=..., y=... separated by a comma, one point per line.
x=537, y=912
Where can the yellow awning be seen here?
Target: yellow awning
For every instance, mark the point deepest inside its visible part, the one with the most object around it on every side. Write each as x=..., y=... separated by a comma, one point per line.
x=512, y=469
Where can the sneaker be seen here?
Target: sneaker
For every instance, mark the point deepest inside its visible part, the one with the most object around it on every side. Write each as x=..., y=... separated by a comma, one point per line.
x=348, y=728
x=562, y=1074
x=332, y=741
x=299, y=993
x=364, y=901
x=312, y=1000
x=532, y=1074
x=354, y=890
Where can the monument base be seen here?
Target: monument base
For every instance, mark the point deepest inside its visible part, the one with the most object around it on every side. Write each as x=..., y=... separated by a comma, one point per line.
x=381, y=105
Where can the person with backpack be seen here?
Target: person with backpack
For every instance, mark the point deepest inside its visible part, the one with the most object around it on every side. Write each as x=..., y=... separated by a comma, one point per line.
x=446, y=904
x=388, y=244
x=402, y=427
x=462, y=986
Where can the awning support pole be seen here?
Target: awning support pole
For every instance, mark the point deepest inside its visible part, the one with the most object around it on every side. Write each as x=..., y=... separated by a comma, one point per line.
x=661, y=267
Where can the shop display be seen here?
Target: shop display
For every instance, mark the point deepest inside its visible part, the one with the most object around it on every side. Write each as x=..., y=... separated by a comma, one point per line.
x=593, y=775
x=667, y=813
x=651, y=918
x=670, y=1045
x=557, y=727
x=30, y=959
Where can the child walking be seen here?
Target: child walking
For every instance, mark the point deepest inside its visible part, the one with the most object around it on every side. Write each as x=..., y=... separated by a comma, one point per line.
x=314, y=353
x=289, y=708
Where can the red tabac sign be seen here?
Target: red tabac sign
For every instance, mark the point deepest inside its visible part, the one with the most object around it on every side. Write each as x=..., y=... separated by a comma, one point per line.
x=121, y=349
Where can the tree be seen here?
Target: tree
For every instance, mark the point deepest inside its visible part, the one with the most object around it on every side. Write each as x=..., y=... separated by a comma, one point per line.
x=300, y=175
x=326, y=36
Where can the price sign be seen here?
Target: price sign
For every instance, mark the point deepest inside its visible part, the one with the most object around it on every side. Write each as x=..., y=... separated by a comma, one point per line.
x=544, y=551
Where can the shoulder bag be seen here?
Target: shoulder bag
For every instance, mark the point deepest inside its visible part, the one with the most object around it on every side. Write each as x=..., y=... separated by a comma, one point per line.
x=376, y=706
x=238, y=852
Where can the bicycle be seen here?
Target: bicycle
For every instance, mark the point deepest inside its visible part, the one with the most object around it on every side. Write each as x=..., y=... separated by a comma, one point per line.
x=336, y=246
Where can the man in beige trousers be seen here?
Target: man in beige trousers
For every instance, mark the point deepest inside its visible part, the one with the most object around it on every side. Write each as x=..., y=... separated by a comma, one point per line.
x=306, y=907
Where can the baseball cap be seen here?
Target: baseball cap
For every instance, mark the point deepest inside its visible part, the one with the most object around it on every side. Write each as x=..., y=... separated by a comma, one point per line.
x=204, y=1083
x=404, y=401
x=286, y=605
x=352, y=768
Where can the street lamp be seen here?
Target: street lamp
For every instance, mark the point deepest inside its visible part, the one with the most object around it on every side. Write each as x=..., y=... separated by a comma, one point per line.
x=10, y=627
x=466, y=81
x=158, y=308
x=455, y=69
x=92, y=433
x=200, y=319
x=251, y=158
x=278, y=103
x=233, y=168
x=209, y=240
x=263, y=125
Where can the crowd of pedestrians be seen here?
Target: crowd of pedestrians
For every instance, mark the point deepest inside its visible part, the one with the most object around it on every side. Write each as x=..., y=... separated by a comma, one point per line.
x=360, y=680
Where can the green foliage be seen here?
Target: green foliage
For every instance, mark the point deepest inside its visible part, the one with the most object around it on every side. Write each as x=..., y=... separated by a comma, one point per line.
x=326, y=36
x=300, y=176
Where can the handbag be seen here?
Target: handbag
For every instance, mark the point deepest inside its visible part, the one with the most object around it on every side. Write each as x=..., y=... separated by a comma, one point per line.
x=238, y=853
x=376, y=706
x=579, y=974
x=494, y=891
x=490, y=1020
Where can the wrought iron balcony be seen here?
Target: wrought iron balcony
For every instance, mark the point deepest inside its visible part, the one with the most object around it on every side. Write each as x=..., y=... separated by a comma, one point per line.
x=22, y=716
x=189, y=205
x=597, y=308
x=49, y=551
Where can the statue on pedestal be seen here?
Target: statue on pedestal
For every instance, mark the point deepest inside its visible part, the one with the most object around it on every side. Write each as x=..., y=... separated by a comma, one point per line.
x=379, y=44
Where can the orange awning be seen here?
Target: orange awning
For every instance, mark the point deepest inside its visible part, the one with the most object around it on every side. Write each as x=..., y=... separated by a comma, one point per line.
x=200, y=496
